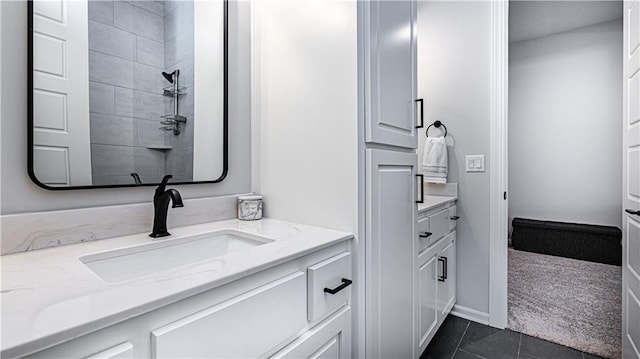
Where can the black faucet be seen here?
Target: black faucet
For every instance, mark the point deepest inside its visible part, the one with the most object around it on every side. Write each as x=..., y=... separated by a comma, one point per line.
x=161, y=207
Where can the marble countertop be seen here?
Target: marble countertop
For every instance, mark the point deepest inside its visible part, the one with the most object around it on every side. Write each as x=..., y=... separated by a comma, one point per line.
x=49, y=295
x=431, y=201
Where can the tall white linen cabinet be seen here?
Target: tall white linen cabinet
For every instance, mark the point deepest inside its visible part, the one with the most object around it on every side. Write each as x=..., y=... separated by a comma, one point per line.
x=391, y=183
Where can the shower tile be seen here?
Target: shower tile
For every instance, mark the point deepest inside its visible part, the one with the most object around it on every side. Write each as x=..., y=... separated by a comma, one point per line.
x=161, y=81
x=111, y=160
x=186, y=71
x=145, y=5
x=112, y=41
x=101, y=98
x=112, y=130
x=185, y=138
x=169, y=6
x=138, y=104
x=177, y=49
x=186, y=103
x=149, y=133
x=146, y=161
x=160, y=8
x=125, y=100
x=180, y=163
x=184, y=16
x=161, y=165
x=137, y=20
x=179, y=19
x=150, y=52
x=170, y=53
x=145, y=78
x=101, y=10
x=123, y=15
x=104, y=180
x=151, y=26
x=170, y=26
x=110, y=70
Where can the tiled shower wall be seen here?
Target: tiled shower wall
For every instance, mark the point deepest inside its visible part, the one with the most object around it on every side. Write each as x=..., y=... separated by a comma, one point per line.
x=127, y=42
x=179, y=54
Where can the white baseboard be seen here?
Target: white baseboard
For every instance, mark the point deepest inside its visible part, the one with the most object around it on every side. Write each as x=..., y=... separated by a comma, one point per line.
x=470, y=314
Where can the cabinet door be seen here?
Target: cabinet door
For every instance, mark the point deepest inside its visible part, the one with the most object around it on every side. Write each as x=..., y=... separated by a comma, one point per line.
x=427, y=300
x=447, y=287
x=390, y=72
x=329, y=339
x=390, y=252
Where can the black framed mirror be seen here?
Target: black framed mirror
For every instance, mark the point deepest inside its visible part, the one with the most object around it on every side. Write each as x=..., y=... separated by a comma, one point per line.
x=122, y=93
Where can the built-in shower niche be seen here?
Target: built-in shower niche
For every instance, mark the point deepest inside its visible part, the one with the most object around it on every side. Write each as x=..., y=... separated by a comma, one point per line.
x=140, y=122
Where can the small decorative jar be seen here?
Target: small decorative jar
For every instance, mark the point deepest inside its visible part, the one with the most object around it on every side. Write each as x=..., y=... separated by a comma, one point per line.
x=250, y=207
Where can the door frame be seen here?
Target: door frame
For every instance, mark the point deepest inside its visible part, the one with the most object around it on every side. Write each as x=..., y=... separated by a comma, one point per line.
x=498, y=172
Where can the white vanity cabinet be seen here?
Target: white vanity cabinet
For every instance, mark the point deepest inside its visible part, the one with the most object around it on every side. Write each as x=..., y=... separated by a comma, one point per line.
x=436, y=270
x=281, y=312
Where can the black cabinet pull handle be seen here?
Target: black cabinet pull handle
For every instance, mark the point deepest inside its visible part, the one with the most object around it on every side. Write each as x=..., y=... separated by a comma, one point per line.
x=424, y=234
x=443, y=277
x=455, y=218
x=630, y=211
x=421, y=125
x=421, y=187
x=345, y=283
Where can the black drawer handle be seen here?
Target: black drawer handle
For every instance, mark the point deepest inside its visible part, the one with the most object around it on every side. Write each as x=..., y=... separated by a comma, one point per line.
x=455, y=218
x=637, y=213
x=443, y=260
x=345, y=283
x=424, y=234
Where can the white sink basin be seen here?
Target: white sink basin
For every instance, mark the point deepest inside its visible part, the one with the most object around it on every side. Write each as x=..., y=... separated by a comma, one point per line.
x=132, y=262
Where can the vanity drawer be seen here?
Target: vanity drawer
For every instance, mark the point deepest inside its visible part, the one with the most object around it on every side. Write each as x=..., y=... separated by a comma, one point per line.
x=438, y=224
x=333, y=274
x=453, y=219
x=423, y=230
x=88, y=347
x=246, y=326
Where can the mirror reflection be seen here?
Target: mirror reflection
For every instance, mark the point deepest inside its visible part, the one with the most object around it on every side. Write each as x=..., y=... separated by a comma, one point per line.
x=125, y=92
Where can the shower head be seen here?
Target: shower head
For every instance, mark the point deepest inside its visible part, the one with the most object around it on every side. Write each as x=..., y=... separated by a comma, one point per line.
x=169, y=77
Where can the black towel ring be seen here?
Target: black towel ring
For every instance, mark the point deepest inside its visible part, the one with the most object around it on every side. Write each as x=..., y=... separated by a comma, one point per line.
x=437, y=124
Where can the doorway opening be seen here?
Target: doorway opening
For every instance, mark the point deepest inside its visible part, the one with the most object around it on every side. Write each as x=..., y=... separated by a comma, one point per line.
x=564, y=141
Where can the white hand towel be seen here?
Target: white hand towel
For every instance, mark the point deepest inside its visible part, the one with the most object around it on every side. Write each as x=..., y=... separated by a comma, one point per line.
x=434, y=160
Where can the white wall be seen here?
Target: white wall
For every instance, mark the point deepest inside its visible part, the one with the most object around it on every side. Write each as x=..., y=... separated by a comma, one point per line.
x=305, y=121
x=565, y=106
x=453, y=78
x=19, y=194
x=305, y=108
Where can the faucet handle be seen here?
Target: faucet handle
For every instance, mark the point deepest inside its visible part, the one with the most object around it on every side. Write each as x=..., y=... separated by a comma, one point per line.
x=163, y=185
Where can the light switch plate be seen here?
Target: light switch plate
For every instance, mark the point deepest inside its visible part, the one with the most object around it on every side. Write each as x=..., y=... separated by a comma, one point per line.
x=475, y=163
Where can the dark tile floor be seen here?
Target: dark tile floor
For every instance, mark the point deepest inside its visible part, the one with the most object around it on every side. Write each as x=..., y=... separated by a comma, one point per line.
x=462, y=339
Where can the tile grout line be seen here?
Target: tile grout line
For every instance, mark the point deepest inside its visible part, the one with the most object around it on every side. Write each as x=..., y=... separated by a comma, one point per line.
x=474, y=354
x=519, y=344
x=460, y=341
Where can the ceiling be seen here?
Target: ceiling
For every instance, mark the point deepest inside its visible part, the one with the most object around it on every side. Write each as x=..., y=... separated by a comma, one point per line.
x=533, y=19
